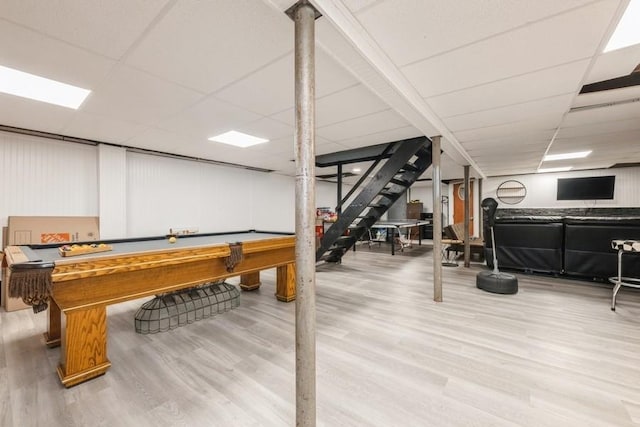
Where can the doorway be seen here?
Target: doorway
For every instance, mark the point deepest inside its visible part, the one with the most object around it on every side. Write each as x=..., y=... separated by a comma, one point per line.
x=458, y=204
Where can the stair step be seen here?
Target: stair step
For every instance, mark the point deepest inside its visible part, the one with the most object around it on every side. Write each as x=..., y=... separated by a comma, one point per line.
x=410, y=167
x=366, y=217
x=389, y=194
x=378, y=205
x=402, y=182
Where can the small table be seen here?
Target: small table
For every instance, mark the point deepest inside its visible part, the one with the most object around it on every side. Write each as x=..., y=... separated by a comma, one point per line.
x=398, y=225
x=622, y=246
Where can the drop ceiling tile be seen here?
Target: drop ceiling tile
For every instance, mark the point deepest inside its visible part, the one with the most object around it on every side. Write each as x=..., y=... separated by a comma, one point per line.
x=356, y=5
x=382, y=137
x=362, y=126
x=515, y=90
x=511, y=53
x=207, y=118
x=599, y=128
x=425, y=28
x=186, y=145
x=498, y=151
x=531, y=138
x=101, y=128
x=267, y=91
x=207, y=45
x=602, y=115
x=347, y=104
x=617, y=63
x=350, y=103
x=28, y=114
x=267, y=128
x=168, y=142
x=271, y=89
x=329, y=147
x=512, y=113
x=544, y=123
x=29, y=51
x=105, y=27
x=136, y=96
x=282, y=147
x=608, y=96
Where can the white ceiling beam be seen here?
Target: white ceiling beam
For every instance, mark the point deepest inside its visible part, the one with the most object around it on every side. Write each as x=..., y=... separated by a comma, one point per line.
x=351, y=29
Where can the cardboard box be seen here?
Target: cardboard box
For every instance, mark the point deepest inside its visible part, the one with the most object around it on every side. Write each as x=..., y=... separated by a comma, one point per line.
x=30, y=230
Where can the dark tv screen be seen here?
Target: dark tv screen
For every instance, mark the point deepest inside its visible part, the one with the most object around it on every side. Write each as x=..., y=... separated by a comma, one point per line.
x=590, y=188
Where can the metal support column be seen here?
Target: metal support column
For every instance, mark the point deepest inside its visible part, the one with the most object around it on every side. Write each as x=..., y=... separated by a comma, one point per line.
x=467, y=203
x=437, y=219
x=304, y=16
x=480, y=211
x=339, y=189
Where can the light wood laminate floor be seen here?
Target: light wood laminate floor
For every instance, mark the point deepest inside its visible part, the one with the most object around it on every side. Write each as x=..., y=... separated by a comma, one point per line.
x=387, y=355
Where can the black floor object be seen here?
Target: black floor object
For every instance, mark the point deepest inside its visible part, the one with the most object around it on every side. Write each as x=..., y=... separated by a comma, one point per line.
x=497, y=283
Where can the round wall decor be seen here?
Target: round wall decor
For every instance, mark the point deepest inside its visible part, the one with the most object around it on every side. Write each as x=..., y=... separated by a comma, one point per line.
x=511, y=192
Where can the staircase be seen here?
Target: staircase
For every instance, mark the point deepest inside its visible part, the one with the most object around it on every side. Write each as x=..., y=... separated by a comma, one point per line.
x=405, y=161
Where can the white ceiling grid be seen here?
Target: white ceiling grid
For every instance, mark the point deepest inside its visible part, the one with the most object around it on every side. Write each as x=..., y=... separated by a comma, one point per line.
x=497, y=79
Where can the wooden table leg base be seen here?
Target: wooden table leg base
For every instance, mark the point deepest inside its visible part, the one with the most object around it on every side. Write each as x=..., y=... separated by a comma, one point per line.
x=251, y=287
x=285, y=298
x=51, y=342
x=250, y=281
x=79, y=377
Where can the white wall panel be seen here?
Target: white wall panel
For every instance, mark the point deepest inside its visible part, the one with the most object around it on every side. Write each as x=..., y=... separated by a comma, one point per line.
x=46, y=177
x=542, y=189
x=226, y=198
x=166, y=193
x=112, y=191
x=273, y=202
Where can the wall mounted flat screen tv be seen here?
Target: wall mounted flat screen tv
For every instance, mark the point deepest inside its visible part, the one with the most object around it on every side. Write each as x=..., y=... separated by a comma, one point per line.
x=589, y=188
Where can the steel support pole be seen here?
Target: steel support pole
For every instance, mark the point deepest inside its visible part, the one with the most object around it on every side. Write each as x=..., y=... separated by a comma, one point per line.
x=437, y=219
x=304, y=15
x=480, y=211
x=339, y=189
x=467, y=203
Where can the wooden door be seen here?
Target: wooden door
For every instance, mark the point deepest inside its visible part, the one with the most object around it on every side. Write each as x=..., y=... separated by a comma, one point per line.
x=458, y=204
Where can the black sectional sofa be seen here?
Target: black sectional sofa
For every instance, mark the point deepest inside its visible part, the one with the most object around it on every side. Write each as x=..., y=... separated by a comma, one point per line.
x=573, y=242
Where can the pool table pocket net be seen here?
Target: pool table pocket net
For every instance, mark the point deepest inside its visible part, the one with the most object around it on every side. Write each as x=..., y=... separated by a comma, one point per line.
x=32, y=282
x=171, y=310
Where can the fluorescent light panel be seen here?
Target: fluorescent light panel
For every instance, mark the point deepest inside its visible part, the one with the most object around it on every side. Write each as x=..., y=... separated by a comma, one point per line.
x=25, y=85
x=548, y=170
x=627, y=32
x=238, y=139
x=564, y=156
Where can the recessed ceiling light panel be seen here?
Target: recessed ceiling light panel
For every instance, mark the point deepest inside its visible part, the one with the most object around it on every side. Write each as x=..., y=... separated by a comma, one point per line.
x=25, y=85
x=564, y=156
x=627, y=32
x=238, y=139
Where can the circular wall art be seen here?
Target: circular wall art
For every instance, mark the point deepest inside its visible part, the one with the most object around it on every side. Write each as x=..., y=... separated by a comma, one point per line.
x=511, y=192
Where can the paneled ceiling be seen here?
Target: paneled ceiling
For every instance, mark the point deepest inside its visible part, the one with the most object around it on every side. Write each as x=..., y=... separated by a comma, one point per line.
x=499, y=80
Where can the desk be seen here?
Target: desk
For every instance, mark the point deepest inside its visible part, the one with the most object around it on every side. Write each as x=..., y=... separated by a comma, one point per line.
x=84, y=285
x=396, y=227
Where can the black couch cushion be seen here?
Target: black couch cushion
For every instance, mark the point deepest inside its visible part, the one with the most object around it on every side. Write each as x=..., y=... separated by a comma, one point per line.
x=588, y=249
x=535, y=245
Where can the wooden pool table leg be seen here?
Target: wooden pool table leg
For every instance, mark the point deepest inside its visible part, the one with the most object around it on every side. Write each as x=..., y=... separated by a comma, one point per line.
x=54, y=325
x=84, y=346
x=250, y=281
x=286, y=283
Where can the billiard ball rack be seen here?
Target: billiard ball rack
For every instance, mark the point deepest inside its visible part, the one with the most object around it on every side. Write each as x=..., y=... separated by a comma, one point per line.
x=83, y=250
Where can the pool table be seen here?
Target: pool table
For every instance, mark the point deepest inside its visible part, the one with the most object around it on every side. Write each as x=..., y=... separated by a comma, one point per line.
x=82, y=286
